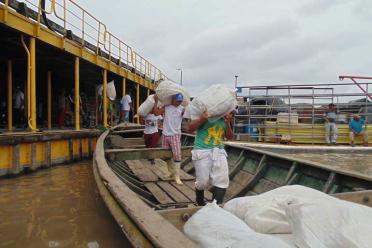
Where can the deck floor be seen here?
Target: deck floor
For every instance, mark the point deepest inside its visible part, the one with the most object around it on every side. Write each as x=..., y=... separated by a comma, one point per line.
x=151, y=180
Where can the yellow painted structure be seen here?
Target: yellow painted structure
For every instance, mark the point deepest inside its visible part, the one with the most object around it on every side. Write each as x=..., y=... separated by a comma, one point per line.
x=33, y=82
x=44, y=153
x=124, y=86
x=309, y=134
x=104, y=38
x=108, y=54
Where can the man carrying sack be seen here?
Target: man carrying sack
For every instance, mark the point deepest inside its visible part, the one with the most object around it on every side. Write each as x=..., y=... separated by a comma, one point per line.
x=209, y=156
x=171, y=138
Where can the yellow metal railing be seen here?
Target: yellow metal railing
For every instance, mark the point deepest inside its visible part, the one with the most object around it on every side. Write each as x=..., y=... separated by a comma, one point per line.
x=71, y=16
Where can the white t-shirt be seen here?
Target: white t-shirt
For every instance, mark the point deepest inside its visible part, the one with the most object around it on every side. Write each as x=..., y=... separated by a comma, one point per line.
x=172, y=120
x=125, y=102
x=151, y=123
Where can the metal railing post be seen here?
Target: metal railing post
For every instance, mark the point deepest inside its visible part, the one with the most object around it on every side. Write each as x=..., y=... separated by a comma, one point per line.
x=33, y=81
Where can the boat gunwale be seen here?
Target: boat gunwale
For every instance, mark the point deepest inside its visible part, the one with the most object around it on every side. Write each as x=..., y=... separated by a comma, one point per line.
x=306, y=162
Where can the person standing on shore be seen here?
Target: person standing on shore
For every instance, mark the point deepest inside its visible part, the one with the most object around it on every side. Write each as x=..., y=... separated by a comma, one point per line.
x=331, y=131
x=209, y=156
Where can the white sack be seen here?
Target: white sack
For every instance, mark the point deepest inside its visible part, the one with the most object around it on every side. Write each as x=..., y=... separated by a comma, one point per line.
x=111, y=91
x=217, y=100
x=146, y=107
x=265, y=213
x=214, y=227
x=100, y=89
x=330, y=224
x=167, y=89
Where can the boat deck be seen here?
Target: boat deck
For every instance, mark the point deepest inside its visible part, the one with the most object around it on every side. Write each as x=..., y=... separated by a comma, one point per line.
x=151, y=182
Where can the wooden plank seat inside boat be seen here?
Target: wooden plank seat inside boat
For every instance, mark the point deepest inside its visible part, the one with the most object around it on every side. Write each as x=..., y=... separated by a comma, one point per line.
x=151, y=182
x=116, y=141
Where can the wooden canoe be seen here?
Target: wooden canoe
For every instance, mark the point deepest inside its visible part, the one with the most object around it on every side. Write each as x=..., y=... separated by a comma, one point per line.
x=151, y=210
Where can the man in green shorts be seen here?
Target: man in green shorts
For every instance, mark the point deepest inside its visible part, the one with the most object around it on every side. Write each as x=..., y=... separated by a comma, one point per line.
x=209, y=156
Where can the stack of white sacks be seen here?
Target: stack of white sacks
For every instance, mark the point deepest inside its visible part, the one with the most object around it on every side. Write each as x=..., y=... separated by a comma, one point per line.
x=289, y=216
x=217, y=100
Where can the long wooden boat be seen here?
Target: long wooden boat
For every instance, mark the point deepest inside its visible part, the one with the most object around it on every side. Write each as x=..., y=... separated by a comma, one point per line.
x=151, y=210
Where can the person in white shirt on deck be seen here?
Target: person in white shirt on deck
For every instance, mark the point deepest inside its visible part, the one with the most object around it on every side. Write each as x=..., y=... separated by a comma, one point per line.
x=125, y=107
x=171, y=138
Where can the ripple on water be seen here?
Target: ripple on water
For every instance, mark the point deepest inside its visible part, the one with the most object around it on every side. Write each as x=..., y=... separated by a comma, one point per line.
x=57, y=207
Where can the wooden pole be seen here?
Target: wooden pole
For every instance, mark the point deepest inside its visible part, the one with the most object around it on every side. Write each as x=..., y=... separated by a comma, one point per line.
x=124, y=82
x=33, y=82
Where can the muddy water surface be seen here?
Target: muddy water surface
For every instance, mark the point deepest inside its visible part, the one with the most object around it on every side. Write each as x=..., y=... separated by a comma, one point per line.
x=57, y=207
x=359, y=162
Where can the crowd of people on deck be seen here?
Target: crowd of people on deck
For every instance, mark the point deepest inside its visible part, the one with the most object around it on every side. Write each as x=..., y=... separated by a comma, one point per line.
x=66, y=109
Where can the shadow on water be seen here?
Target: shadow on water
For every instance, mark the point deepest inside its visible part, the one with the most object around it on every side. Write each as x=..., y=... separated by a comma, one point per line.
x=57, y=207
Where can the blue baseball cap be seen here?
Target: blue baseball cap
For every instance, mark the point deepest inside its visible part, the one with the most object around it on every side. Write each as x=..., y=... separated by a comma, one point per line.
x=178, y=97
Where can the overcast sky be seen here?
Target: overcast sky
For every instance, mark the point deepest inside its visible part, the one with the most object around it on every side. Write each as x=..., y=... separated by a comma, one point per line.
x=264, y=42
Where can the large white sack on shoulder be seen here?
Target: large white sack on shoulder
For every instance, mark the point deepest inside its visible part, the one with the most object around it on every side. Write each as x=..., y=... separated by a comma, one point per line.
x=186, y=114
x=330, y=224
x=264, y=213
x=146, y=107
x=111, y=91
x=214, y=227
x=167, y=89
x=217, y=100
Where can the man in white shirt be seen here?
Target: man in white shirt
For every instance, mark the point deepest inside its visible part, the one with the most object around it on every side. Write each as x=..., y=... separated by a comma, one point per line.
x=171, y=138
x=125, y=107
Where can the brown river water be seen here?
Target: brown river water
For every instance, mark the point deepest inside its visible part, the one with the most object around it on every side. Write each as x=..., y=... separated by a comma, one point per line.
x=57, y=207
x=359, y=162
